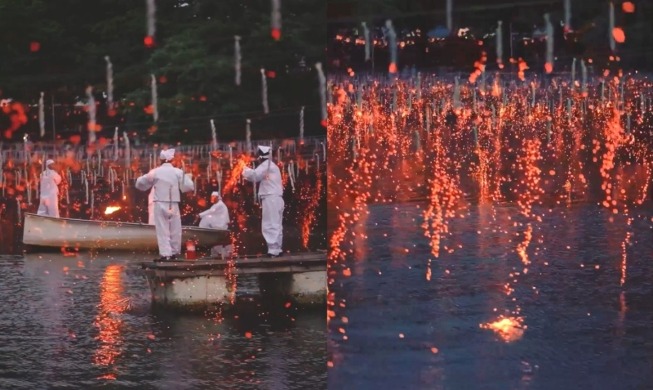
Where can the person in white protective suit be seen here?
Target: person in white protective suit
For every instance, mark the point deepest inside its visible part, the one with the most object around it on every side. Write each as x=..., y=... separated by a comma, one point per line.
x=270, y=192
x=49, y=201
x=216, y=217
x=166, y=181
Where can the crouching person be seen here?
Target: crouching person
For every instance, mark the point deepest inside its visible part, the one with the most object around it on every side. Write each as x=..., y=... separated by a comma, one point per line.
x=217, y=217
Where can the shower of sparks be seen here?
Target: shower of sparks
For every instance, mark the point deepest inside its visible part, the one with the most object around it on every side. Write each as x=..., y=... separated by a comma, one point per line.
x=312, y=196
x=453, y=143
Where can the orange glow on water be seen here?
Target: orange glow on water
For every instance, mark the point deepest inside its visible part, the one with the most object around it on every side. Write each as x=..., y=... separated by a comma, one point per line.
x=509, y=329
x=109, y=321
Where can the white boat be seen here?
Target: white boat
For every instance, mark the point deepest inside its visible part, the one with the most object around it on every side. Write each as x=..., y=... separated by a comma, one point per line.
x=44, y=231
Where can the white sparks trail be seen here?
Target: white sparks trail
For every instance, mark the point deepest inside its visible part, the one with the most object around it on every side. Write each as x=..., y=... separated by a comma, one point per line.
x=392, y=43
x=264, y=92
x=500, y=44
x=548, y=66
x=41, y=115
x=366, y=34
x=91, y=114
x=155, y=109
x=151, y=21
x=237, y=59
x=567, y=15
x=109, y=83
x=214, y=135
x=248, y=135
x=301, y=126
x=128, y=158
x=115, y=144
x=275, y=19
x=322, y=79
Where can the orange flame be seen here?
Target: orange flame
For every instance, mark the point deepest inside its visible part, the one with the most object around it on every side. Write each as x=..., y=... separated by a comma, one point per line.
x=111, y=209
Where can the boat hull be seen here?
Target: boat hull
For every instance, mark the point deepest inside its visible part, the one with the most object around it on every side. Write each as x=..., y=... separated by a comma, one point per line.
x=43, y=231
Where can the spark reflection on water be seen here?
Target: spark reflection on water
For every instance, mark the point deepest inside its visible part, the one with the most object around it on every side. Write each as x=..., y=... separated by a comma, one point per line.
x=575, y=322
x=86, y=320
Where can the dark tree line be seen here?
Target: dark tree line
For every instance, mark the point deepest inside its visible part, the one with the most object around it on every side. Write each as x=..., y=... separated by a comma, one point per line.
x=58, y=47
x=589, y=38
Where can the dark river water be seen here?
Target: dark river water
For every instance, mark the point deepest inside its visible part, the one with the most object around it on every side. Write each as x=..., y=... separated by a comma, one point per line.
x=586, y=302
x=87, y=322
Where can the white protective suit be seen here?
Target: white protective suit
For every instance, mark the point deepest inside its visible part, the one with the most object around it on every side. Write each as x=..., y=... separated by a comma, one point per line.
x=49, y=201
x=167, y=182
x=270, y=192
x=217, y=217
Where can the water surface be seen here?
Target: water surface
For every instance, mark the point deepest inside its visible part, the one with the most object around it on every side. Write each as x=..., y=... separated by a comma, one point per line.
x=86, y=321
x=582, y=328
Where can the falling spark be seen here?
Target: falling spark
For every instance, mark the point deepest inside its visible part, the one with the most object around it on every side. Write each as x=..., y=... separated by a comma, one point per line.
x=237, y=59
x=628, y=7
x=624, y=255
x=42, y=115
x=109, y=85
x=264, y=92
x=275, y=20
x=155, y=109
x=618, y=35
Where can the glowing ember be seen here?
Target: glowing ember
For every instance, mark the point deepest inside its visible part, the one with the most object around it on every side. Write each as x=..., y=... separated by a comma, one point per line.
x=111, y=210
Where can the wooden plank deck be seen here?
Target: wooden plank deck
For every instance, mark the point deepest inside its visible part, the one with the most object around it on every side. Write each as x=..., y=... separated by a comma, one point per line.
x=289, y=263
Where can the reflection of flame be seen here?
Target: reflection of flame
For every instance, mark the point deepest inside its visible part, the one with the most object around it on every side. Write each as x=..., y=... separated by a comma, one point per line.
x=508, y=328
x=108, y=319
x=111, y=210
